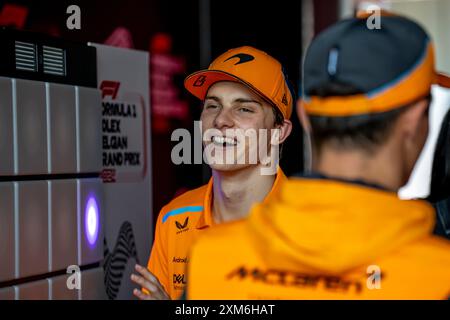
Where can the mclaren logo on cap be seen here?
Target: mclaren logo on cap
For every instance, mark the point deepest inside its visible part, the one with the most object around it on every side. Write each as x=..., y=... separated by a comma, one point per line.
x=243, y=58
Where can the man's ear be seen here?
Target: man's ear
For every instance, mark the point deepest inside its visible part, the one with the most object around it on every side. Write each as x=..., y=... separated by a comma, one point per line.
x=410, y=134
x=414, y=120
x=284, y=130
x=303, y=117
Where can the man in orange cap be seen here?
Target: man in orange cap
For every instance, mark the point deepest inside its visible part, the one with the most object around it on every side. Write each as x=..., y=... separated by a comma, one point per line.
x=367, y=93
x=245, y=94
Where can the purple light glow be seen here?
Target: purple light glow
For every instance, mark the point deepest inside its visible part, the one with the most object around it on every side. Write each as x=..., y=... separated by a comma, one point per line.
x=91, y=220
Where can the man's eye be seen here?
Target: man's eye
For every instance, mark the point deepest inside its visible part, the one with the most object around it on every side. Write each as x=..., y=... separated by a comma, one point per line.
x=211, y=106
x=243, y=109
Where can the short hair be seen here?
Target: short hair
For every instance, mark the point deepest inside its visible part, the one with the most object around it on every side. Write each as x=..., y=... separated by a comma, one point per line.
x=279, y=119
x=365, y=132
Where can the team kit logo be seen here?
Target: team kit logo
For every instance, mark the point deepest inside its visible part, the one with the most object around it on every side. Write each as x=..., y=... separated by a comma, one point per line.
x=289, y=278
x=179, y=278
x=180, y=260
x=182, y=227
x=179, y=281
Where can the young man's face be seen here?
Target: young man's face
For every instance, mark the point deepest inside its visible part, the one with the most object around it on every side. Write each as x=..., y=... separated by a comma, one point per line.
x=232, y=117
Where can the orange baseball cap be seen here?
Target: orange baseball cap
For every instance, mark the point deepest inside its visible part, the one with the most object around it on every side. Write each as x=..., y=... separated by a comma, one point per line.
x=251, y=67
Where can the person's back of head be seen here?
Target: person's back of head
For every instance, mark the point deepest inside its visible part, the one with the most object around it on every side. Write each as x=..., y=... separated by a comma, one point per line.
x=367, y=93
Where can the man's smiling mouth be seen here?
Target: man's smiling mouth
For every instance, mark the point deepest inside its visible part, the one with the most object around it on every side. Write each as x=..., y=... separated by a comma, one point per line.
x=223, y=141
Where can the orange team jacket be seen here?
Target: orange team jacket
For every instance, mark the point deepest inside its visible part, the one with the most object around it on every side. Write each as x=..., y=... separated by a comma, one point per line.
x=324, y=239
x=178, y=225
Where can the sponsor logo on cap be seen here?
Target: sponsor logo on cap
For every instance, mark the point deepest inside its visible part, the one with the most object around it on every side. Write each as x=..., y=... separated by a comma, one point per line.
x=284, y=100
x=200, y=81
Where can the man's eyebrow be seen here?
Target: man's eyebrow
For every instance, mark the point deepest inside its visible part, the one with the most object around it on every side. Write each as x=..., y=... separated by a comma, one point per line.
x=217, y=99
x=238, y=100
x=244, y=100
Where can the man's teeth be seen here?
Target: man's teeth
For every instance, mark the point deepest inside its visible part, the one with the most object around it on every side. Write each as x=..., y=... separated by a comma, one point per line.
x=224, y=140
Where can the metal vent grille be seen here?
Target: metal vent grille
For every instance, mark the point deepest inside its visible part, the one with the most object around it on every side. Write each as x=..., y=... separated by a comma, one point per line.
x=26, y=56
x=54, y=61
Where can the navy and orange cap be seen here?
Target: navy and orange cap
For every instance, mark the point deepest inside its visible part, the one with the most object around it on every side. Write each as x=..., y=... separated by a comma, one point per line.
x=391, y=66
x=251, y=67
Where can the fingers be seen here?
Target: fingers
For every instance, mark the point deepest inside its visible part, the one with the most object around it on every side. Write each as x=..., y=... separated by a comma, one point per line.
x=150, y=277
x=149, y=282
x=146, y=274
x=142, y=296
x=143, y=271
x=144, y=283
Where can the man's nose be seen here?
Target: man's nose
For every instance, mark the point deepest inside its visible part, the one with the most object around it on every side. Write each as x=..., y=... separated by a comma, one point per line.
x=223, y=119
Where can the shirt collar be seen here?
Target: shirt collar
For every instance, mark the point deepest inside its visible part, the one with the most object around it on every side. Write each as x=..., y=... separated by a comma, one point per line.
x=206, y=216
x=320, y=176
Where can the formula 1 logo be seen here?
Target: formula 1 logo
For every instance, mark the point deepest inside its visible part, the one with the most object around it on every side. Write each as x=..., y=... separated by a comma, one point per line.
x=109, y=88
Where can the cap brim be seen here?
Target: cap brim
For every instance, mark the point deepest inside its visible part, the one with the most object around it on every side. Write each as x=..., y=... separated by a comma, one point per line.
x=442, y=80
x=199, y=82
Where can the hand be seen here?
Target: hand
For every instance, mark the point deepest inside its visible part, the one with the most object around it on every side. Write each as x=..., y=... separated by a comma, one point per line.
x=149, y=282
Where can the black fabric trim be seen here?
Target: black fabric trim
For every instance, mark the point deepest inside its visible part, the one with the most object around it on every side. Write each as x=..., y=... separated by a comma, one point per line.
x=320, y=176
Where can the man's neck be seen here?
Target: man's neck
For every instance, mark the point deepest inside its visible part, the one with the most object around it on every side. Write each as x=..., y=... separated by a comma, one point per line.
x=235, y=192
x=382, y=168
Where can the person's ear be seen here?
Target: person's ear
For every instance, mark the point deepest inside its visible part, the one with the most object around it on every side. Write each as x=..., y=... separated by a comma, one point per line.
x=283, y=132
x=303, y=117
x=411, y=132
x=414, y=121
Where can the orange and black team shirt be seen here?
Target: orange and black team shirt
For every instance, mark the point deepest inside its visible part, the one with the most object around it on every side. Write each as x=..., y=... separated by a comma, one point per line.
x=338, y=240
x=178, y=225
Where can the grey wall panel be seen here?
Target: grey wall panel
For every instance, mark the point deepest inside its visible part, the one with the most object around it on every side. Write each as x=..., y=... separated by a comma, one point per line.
x=59, y=289
x=90, y=129
x=33, y=228
x=62, y=138
x=6, y=128
x=7, y=232
x=7, y=294
x=91, y=221
x=34, y=291
x=92, y=286
x=31, y=127
x=63, y=224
